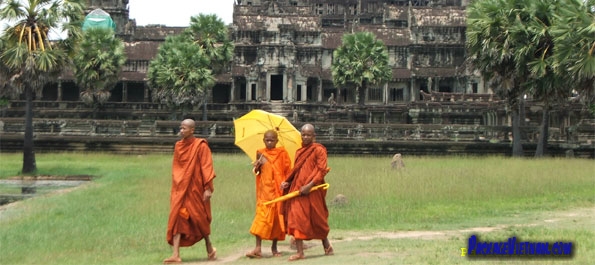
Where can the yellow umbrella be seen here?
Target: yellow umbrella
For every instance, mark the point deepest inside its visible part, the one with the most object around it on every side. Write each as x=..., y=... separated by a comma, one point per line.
x=296, y=193
x=250, y=128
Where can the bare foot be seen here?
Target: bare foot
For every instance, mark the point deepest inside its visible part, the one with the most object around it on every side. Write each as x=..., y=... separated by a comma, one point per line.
x=329, y=251
x=172, y=260
x=296, y=257
x=254, y=254
x=213, y=254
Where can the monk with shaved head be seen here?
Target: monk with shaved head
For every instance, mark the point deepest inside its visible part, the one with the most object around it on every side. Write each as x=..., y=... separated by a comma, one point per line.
x=271, y=168
x=192, y=186
x=307, y=214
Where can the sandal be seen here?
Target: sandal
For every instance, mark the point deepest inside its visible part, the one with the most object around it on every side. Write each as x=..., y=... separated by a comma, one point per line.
x=254, y=255
x=277, y=254
x=296, y=257
x=329, y=251
x=172, y=260
x=212, y=255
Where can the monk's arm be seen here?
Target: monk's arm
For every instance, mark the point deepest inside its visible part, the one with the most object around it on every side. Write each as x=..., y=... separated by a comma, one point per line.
x=321, y=166
x=286, y=164
x=319, y=170
x=206, y=165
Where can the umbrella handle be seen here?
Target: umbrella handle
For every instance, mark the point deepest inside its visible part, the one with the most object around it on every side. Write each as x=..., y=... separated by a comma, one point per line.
x=297, y=193
x=324, y=186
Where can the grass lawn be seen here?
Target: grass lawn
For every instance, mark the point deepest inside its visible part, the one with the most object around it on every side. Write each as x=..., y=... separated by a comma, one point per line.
x=421, y=215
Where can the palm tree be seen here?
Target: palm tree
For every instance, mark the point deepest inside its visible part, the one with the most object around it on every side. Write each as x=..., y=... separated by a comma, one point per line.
x=361, y=60
x=574, y=51
x=500, y=49
x=211, y=34
x=180, y=74
x=29, y=54
x=549, y=83
x=97, y=65
x=5, y=89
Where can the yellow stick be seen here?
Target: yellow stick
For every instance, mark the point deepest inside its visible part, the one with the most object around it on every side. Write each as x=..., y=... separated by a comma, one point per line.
x=296, y=193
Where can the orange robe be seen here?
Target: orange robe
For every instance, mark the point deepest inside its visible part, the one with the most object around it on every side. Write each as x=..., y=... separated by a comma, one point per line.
x=307, y=216
x=192, y=174
x=268, y=222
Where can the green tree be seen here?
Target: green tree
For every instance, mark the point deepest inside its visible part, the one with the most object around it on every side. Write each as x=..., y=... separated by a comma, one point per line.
x=518, y=44
x=97, y=65
x=574, y=51
x=5, y=76
x=211, y=34
x=498, y=48
x=544, y=84
x=361, y=60
x=29, y=54
x=554, y=23
x=180, y=74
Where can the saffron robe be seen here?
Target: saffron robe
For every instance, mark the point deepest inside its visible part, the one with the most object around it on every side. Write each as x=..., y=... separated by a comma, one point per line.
x=268, y=222
x=307, y=215
x=192, y=174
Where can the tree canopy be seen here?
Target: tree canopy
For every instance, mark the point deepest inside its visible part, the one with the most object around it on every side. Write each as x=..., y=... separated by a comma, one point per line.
x=361, y=60
x=32, y=59
x=180, y=73
x=97, y=64
x=184, y=69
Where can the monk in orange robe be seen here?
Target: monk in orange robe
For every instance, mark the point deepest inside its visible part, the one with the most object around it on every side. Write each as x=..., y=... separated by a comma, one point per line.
x=271, y=169
x=307, y=214
x=191, y=190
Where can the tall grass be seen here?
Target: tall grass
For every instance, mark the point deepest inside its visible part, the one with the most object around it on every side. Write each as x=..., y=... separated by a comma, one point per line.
x=436, y=193
x=120, y=218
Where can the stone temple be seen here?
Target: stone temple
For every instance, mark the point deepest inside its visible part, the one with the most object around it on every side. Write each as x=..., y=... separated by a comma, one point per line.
x=282, y=62
x=284, y=50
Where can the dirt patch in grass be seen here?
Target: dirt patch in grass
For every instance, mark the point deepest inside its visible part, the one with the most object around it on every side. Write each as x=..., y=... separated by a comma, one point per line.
x=17, y=188
x=569, y=218
x=52, y=177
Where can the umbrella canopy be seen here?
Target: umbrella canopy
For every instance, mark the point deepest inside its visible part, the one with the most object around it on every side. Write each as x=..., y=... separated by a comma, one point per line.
x=250, y=128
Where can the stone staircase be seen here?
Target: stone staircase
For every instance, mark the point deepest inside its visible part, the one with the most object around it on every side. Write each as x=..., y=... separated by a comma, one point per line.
x=280, y=108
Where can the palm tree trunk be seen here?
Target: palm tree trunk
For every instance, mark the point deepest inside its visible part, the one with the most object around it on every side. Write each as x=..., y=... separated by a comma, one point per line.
x=29, y=165
x=543, y=132
x=205, y=130
x=362, y=93
x=95, y=107
x=522, y=118
x=517, y=146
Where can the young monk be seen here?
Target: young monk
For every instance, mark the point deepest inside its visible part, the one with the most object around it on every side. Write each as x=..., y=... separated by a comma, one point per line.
x=191, y=190
x=307, y=214
x=271, y=167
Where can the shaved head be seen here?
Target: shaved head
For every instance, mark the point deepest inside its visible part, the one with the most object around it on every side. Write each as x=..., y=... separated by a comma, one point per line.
x=189, y=122
x=308, y=134
x=187, y=128
x=308, y=127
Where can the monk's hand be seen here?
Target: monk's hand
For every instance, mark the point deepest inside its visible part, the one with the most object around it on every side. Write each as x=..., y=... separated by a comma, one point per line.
x=305, y=190
x=207, y=195
x=284, y=185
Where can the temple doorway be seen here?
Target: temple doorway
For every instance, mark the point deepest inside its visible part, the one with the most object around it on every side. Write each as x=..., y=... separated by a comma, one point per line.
x=276, y=87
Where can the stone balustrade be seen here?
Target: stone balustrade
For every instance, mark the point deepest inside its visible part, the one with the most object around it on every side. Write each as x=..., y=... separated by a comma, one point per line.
x=457, y=97
x=326, y=131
